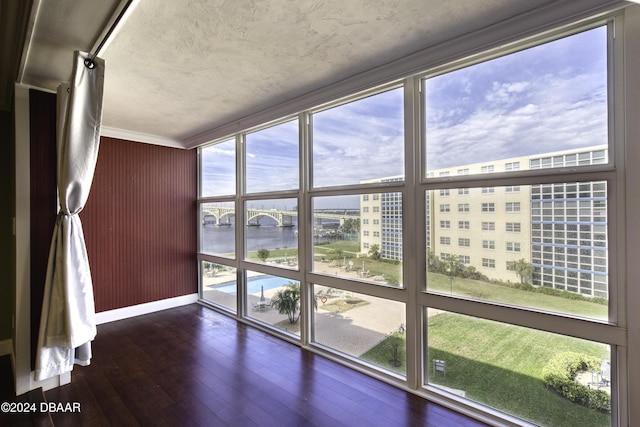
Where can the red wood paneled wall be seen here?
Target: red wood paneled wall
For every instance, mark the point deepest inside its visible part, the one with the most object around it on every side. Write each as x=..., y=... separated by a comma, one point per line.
x=140, y=224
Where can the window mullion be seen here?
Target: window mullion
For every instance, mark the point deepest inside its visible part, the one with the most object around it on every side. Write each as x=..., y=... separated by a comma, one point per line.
x=241, y=251
x=413, y=233
x=305, y=254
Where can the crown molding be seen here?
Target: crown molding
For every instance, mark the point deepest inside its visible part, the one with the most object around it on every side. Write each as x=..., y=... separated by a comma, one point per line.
x=147, y=138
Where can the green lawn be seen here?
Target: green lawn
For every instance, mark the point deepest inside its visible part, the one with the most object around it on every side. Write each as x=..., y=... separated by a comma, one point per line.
x=279, y=254
x=508, y=295
x=337, y=249
x=349, y=249
x=471, y=288
x=501, y=366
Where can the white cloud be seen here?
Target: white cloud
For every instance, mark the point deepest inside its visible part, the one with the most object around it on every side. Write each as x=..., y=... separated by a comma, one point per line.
x=550, y=112
x=359, y=141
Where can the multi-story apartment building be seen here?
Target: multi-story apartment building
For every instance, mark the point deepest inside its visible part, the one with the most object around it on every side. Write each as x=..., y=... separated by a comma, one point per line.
x=569, y=227
x=381, y=222
x=560, y=229
x=485, y=227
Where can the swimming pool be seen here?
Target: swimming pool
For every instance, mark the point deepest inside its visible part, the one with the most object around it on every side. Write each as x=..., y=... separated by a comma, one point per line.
x=254, y=285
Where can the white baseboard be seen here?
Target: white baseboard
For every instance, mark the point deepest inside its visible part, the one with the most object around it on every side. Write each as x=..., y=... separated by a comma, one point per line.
x=53, y=382
x=140, y=309
x=6, y=347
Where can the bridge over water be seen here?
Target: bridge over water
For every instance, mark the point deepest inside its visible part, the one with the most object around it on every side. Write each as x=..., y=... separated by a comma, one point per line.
x=284, y=218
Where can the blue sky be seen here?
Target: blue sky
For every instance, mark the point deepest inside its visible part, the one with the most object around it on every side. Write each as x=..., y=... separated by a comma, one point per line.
x=546, y=98
x=359, y=141
x=272, y=158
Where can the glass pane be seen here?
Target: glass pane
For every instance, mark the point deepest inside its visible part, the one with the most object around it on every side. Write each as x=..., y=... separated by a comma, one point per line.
x=520, y=371
x=217, y=229
x=530, y=103
x=365, y=327
x=359, y=237
x=362, y=140
x=274, y=301
x=543, y=246
x=271, y=232
x=272, y=158
x=219, y=285
x=218, y=169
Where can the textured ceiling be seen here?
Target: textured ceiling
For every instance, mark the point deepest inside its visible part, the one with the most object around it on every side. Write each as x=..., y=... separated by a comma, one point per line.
x=180, y=68
x=193, y=65
x=189, y=66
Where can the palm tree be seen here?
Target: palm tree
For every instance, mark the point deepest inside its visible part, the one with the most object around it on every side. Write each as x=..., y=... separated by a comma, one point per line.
x=374, y=252
x=453, y=265
x=287, y=301
x=432, y=259
x=522, y=268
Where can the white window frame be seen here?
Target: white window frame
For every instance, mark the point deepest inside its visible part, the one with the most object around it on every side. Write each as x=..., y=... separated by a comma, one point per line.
x=488, y=263
x=512, y=166
x=513, y=246
x=513, y=227
x=488, y=226
x=488, y=244
x=487, y=169
x=489, y=207
x=512, y=207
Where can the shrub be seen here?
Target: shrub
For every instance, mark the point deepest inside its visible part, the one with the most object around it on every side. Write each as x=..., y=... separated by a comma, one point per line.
x=263, y=254
x=560, y=374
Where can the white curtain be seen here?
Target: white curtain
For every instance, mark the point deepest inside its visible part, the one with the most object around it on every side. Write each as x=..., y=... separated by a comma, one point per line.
x=67, y=325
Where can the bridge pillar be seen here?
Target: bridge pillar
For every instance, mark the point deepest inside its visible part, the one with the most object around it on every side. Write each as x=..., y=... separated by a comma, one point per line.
x=286, y=221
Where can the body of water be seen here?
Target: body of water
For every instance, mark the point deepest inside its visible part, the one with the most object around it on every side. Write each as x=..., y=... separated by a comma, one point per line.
x=221, y=239
x=255, y=285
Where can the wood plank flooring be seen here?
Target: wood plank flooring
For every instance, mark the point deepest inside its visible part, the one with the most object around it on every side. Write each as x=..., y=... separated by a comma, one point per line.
x=30, y=401
x=191, y=366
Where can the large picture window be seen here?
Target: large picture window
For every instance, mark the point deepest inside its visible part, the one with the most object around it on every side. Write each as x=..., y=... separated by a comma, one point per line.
x=333, y=228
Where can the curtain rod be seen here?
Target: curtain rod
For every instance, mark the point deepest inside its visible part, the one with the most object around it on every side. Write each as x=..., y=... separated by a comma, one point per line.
x=128, y=7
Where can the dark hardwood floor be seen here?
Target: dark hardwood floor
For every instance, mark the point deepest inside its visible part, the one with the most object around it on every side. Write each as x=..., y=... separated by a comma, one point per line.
x=24, y=410
x=191, y=366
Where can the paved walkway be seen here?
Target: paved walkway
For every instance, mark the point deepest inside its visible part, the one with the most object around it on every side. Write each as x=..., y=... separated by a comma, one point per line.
x=353, y=332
